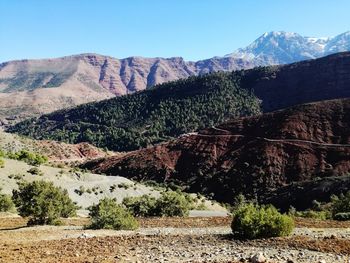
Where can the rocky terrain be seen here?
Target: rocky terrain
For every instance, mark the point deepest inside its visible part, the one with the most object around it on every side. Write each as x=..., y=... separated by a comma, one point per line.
x=188, y=240
x=34, y=87
x=57, y=152
x=256, y=156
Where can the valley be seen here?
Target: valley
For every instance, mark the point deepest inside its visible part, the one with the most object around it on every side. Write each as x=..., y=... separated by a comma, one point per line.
x=237, y=158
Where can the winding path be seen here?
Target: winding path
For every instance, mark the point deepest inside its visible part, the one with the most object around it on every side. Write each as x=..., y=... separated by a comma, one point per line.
x=228, y=133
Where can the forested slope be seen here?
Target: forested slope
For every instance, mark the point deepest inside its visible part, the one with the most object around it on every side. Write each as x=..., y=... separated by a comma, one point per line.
x=138, y=120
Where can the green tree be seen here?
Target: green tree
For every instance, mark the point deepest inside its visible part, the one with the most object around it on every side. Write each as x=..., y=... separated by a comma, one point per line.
x=43, y=202
x=148, y=117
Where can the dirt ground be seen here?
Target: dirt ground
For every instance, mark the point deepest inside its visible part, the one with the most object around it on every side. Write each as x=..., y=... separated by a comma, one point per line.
x=169, y=240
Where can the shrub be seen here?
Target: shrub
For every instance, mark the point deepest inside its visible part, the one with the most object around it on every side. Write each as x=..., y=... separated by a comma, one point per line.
x=252, y=221
x=28, y=157
x=110, y=215
x=321, y=215
x=340, y=204
x=43, y=202
x=172, y=204
x=342, y=216
x=35, y=171
x=80, y=191
x=6, y=203
x=2, y=163
x=124, y=185
x=112, y=188
x=17, y=177
x=143, y=206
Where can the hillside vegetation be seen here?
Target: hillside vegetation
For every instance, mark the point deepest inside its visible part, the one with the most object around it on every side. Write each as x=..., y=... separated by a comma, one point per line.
x=287, y=157
x=174, y=108
x=138, y=120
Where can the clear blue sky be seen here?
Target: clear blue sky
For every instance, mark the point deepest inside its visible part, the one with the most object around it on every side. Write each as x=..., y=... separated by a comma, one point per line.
x=193, y=29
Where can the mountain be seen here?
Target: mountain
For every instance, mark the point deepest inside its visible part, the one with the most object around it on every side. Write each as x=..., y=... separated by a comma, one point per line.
x=279, y=47
x=147, y=117
x=279, y=87
x=264, y=156
x=174, y=108
x=33, y=87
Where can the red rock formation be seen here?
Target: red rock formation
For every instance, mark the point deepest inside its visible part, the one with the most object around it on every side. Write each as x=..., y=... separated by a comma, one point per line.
x=254, y=155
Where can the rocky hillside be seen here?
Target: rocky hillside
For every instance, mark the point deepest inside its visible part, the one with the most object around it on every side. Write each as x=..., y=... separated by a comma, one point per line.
x=313, y=80
x=257, y=156
x=55, y=151
x=34, y=87
x=174, y=108
x=148, y=117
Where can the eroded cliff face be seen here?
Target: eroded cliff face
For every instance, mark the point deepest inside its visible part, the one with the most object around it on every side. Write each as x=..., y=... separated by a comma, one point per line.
x=256, y=156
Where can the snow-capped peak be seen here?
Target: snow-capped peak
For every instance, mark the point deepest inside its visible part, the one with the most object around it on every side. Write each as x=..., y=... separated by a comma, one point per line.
x=280, y=47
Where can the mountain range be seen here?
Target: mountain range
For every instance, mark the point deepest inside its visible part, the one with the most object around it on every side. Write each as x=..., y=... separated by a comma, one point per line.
x=175, y=108
x=33, y=87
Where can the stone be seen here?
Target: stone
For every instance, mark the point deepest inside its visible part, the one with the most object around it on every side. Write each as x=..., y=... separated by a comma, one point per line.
x=258, y=258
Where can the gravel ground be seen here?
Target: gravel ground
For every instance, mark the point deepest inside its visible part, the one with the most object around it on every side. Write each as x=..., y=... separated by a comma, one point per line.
x=169, y=244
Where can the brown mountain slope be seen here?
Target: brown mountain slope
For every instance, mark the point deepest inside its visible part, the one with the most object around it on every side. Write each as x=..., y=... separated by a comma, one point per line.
x=34, y=87
x=256, y=156
x=55, y=151
x=314, y=80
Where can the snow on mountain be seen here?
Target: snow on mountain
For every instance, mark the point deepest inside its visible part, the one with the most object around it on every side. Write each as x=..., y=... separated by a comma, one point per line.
x=279, y=47
x=339, y=43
